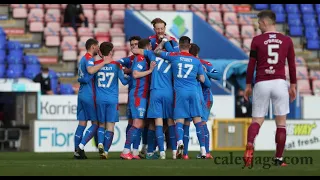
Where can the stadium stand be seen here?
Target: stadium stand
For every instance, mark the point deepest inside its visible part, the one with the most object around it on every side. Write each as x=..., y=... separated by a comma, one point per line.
x=106, y=23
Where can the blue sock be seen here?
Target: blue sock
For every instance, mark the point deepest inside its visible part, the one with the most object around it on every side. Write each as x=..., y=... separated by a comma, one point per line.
x=89, y=134
x=128, y=127
x=131, y=135
x=136, y=142
x=95, y=138
x=200, y=134
x=151, y=135
x=101, y=135
x=185, y=139
x=160, y=137
x=179, y=131
x=78, y=135
x=207, y=137
x=173, y=139
x=145, y=135
x=108, y=137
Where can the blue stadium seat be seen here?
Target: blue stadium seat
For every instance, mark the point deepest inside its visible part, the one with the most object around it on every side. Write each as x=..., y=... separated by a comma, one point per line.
x=261, y=6
x=54, y=85
x=307, y=8
x=311, y=33
x=309, y=20
x=318, y=8
x=31, y=59
x=52, y=74
x=296, y=31
x=2, y=70
x=292, y=8
x=2, y=56
x=32, y=70
x=293, y=16
x=15, y=71
x=2, y=32
x=280, y=18
x=15, y=57
x=66, y=89
x=295, y=22
x=3, y=42
x=277, y=8
x=313, y=44
x=14, y=45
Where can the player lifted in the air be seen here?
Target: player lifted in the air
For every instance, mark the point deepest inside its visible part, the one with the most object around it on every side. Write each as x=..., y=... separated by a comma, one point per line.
x=187, y=69
x=86, y=98
x=268, y=55
x=138, y=98
x=107, y=97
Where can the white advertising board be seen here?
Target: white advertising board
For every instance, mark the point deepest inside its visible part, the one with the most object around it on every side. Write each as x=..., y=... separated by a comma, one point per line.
x=310, y=107
x=301, y=135
x=58, y=136
x=193, y=141
x=178, y=23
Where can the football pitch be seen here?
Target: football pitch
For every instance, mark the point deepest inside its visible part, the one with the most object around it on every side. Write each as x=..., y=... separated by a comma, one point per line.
x=225, y=163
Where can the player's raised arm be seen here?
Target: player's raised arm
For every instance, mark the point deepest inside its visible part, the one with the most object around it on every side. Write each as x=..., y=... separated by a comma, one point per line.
x=137, y=68
x=292, y=71
x=250, y=69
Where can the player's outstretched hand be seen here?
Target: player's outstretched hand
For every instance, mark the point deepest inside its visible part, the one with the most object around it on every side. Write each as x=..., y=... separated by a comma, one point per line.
x=152, y=65
x=292, y=93
x=247, y=92
x=126, y=70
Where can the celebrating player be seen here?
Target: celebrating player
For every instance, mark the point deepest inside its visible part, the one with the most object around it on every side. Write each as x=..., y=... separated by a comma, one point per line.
x=138, y=98
x=86, y=98
x=268, y=54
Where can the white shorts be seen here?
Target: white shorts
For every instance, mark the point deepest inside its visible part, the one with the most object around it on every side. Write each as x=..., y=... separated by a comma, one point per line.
x=275, y=90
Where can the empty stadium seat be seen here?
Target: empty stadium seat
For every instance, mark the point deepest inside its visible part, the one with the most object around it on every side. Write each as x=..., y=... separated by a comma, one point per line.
x=230, y=18
x=18, y=5
x=36, y=15
x=36, y=27
x=247, y=31
x=318, y=8
x=52, y=40
x=245, y=20
x=247, y=44
x=166, y=7
x=117, y=6
x=304, y=87
x=150, y=7
x=309, y=20
x=14, y=71
x=202, y=15
x=182, y=7
x=66, y=89
x=119, y=54
x=20, y=13
x=53, y=15
x=236, y=42
x=280, y=17
x=134, y=6
x=2, y=56
x=67, y=31
x=214, y=17
x=311, y=33
x=227, y=8
x=87, y=6
x=316, y=87
x=300, y=61
x=69, y=43
x=84, y=31
x=314, y=74
x=52, y=6
x=2, y=70
x=292, y=8
x=313, y=44
x=302, y=72
x=198, y=7
x=69, y=55
x=213, y=7
x=37, y=6
x=14, y=45
x=15, y=57
x=117, y=16
x=232, y=31
x=219, y=28
x=277, y=8
x=296, y=31
x=261, y=6
x=102, y=16
x=32, y=70
x=307, y=8
x=89, y=14
x=31, y=59
x=101, y=7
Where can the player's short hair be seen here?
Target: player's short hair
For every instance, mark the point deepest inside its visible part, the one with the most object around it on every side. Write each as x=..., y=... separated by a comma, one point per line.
x=134, y=38
x=184, y=42
x=91, y=42
x=44, y=69
x=267, y=14
x=106, y=48
x=143, y=43
x=194, y=49
x=158, y=20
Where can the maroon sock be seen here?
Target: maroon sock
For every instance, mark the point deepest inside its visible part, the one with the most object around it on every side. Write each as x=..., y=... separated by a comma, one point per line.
x=281, y=136
x=253, y=131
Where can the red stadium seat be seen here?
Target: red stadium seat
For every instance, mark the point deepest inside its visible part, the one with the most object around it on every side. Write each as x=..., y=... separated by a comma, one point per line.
x=69, y=55
x=69, y=43
x=101, y=6
x=36, y=27
x=316, y=87
x=202, y=15
x=166, y=7
x=20, y=13
x=247, y=31
x=235, y=42
x=232, y=31
x=117, y=16
x=89, y=14
x=215, y=16
x=315, y=74
x=36, y=15
x=116, y=32
x=245, y=20
x=18, y=5
x=104, y=25
x=150, y=7
x=118, y=25
x=84, y=31
x=55, y=26
x=219, y=28
x=213, y=7
x=304, y=87
x=198, y=7
x=52, y=40
x=134, y=6
x=118, y=6
x=63, y=6
x=247, y=44
x=53, y=15
x=67, y=31
x=119, y=54
x=31, y=6
x=87, y=6
x=100, y=32
x=300, y=61
x=182, y=7
x=230, y=18
x=302, y=72
x=52, y=6
x=81, y=45
x=85, y=38
x=102, y=16
x=227, y=8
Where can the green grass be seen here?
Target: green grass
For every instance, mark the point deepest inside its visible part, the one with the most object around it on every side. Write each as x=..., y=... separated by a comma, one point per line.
x=26, y=163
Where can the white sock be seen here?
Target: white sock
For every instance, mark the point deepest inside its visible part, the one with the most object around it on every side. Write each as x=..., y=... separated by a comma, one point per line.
x=135, y=152
x=126, y=151
x=203, y=151
x=81, y=146
x=180, y=142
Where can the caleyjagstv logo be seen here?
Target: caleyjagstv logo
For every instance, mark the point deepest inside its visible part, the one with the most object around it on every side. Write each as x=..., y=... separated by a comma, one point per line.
x=178, y=28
